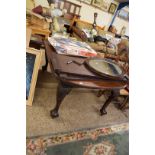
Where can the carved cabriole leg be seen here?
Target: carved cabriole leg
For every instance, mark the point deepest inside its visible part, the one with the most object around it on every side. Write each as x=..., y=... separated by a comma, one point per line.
x=62, y=91
x=114, y=94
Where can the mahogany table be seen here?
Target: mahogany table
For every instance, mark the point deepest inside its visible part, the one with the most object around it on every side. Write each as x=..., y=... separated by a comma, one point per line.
x=77, y=76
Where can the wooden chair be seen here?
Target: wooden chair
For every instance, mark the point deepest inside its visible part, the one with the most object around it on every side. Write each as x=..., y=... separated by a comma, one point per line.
x=123, y=92
x=125, y=104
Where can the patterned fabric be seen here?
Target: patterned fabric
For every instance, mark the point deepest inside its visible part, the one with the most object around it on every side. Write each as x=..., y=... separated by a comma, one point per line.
x=104, y=148
x=38, y=146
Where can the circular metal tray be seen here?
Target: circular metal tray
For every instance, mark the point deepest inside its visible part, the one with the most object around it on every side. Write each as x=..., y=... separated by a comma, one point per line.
x=105, y=67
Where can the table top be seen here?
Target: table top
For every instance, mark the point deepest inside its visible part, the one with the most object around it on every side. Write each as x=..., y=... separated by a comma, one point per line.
x=78, y=75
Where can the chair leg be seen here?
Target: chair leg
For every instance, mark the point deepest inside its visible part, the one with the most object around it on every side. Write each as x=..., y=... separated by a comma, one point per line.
x=100, y=93
x=125, y=102
x=114, y=94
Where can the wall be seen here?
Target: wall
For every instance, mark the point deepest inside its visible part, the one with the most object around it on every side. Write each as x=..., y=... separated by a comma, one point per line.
x=29, y=4
x=103, y=19
x=119, y=23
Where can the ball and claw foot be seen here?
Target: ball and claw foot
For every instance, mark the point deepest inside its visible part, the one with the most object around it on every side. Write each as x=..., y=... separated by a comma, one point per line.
x=54, y=113
x=103, y=112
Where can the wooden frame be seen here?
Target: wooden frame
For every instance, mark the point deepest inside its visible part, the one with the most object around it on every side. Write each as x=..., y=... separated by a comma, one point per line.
x=123, y=14
x=112, y=8
x=28, y=36
x=87, y=1
x=101, y=4
x=34, y=74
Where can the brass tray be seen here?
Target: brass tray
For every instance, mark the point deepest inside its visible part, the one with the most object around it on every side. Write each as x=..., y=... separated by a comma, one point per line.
x=105, y=67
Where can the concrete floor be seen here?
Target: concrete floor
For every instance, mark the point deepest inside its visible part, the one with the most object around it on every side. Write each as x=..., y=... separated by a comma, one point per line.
x=79, y=110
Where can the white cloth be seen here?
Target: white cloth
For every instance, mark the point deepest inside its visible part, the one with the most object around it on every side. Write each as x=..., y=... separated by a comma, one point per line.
x=56, y=13
x=87, y=32
x=93, y=32
x=113, y=42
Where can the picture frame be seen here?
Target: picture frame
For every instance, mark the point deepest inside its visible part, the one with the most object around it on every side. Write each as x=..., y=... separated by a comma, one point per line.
x=102, y=4
x=33, y=60
x=123, y=14
x=112, y=8
x=87, y=1
x=28, y=36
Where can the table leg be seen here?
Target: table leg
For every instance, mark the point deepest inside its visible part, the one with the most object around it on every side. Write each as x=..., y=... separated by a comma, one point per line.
x=114, y=94
x=44, y=68
x=62, y=91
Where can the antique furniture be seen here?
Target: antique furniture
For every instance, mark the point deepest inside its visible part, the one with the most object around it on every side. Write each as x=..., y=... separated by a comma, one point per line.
x=71, y=8
x=123, y=60
x=71, y=72
x=33, y=41
x=37, y=30
x=78, y=27
x=36, y=41
x=125, y=93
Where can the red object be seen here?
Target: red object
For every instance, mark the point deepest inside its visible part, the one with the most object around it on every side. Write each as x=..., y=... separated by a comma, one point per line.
x=38, y=9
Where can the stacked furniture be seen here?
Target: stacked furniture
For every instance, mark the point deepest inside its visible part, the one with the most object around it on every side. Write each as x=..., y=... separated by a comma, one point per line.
x=77, y=27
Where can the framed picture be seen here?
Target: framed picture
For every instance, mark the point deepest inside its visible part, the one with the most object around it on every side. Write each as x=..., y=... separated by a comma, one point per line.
x=124, y=14
x=102, y=4
x=33, y=59
x=112, y=8
x=86, y=1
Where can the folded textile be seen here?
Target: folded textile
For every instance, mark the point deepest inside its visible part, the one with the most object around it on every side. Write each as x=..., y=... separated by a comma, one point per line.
x=38, y=9
x=100, y=39
x=87, y=33
x=113, y=42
